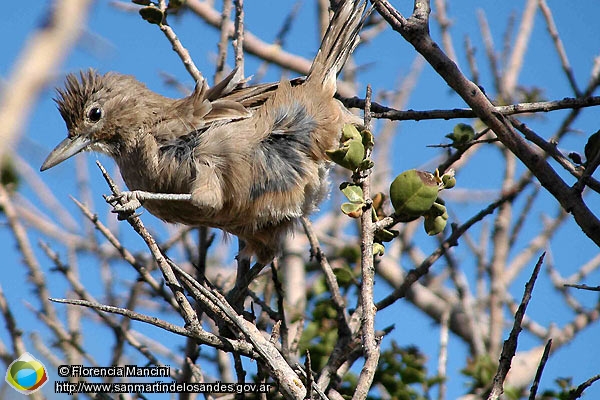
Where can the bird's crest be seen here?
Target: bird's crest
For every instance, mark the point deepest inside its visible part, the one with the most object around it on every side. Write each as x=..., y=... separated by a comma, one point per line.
x=71, y=100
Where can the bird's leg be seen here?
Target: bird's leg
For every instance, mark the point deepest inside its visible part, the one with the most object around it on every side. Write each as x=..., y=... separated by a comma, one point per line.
x=125, y=203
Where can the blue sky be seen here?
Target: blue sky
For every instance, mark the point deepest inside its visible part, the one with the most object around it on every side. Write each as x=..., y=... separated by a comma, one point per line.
x=123, y=42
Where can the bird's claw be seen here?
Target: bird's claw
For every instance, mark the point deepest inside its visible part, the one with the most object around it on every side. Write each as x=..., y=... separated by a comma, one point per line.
x=124, y=205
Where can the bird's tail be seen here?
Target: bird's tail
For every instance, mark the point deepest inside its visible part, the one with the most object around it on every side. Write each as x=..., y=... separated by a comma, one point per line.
x=338, y=43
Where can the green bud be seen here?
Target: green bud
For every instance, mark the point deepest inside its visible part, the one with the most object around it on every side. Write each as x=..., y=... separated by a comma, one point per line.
x=434, y=225
x=448, y=181
x=349, y=156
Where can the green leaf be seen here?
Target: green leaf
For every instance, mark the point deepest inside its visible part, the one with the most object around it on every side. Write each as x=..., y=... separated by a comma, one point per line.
x=413, y=193
x=355, y=155
x=461, y=134
x=352, y=192
x=337, y=155
x=344, y=276
x=353, y=210
x=436, y=209
x=378, y=249
x=368, y=140
x=349, y=132
x=386, y=235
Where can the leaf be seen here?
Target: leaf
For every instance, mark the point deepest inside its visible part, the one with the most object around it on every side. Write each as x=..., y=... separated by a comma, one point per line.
x=152, y=14
x=413, y=193
x=352, y=192
x=386, y=235
x=368, y=140
x=349, y=132
x=355, y=154
x=349, y=156
x=344, y=276
x=378, y=249
x=353, y=210
x=461, y=134
x=366, y=164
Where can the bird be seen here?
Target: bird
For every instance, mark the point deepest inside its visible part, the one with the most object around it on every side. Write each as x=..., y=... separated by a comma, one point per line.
x=249, y=160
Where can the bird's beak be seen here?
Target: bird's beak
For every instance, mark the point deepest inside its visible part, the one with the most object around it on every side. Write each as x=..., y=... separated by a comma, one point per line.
x=66, y=149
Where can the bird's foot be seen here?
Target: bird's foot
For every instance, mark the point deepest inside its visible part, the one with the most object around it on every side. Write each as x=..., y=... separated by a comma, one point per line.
x=125, y=203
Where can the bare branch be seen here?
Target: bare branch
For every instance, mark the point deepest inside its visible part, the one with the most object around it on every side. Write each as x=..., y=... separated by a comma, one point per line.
x=510, y=345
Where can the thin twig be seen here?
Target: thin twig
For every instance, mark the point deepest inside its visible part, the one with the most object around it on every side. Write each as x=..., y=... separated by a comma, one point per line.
x=577, y=392
x=336, y=297
x=583, y=287
x=222, y=46
x=370, y=342
x=178, y=48
x=127, y=256
x=515, y=63
x=510, y=345
x=382, y=112
x=560, y=49
x=540, y=370
x=238, y=37
x=443, y=354
x=186, y=310
x=202, y=336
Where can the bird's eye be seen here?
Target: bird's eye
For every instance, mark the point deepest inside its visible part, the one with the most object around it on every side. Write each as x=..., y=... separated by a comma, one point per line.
x=95, y=114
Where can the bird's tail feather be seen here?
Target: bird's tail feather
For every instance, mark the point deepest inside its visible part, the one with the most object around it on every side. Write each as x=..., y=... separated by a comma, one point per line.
x=339, y=42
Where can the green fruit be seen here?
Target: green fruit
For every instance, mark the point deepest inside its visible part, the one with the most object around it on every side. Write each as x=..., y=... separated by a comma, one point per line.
x=413, y=193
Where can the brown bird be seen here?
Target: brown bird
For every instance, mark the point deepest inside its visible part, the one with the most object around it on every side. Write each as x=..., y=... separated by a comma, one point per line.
x=247, y=160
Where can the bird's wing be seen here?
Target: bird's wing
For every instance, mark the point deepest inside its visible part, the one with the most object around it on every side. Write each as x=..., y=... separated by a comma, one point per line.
x=252, y=97
x=227, y=101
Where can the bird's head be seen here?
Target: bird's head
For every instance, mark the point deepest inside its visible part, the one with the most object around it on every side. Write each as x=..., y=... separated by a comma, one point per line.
x=100, y=111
